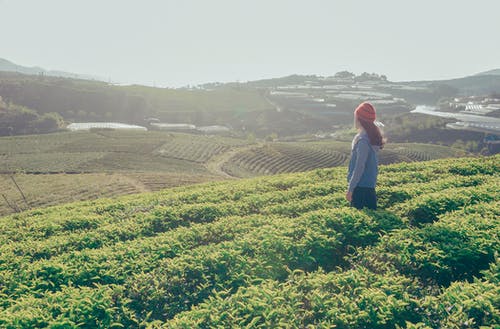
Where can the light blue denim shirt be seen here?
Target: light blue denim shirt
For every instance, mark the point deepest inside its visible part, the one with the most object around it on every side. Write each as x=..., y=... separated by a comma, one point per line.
x=363, y=166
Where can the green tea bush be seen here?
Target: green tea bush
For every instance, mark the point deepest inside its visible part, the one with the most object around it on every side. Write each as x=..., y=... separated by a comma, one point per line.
x=426, y=208
x=113, y=264
x=356, y=298
x=318, y=239
x=280, y=251
x=456, y=247
x=84, y=308
x=467, y=304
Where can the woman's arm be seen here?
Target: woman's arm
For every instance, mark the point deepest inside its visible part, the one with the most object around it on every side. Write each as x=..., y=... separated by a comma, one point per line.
x=362, y=149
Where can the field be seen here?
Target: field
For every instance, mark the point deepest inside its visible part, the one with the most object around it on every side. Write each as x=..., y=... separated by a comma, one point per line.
x=293, y=157
x=52, y=189
x=57, y=168
x=280, y=251
x=110, y=151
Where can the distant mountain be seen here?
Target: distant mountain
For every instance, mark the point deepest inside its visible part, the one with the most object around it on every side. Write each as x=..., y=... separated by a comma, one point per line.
x=474, y=85
x=8, y=66
x=490, y=72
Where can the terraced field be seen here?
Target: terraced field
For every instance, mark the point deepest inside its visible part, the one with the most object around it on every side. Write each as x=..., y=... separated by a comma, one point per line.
x=281, y=158
x=53, y=189
x=57, y=168
x=271, y=252
x=199, y=150
x=425, y=152
x=276, y=158
x=110, y=151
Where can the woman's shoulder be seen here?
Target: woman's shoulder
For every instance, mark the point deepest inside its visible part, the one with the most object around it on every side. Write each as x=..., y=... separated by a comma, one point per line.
x=360, y=137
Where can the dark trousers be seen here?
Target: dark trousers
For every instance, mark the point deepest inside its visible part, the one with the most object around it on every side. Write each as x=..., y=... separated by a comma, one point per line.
x=364, y=197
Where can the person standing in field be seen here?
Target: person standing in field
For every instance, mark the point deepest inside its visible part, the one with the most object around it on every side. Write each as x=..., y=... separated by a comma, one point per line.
x=363, y=166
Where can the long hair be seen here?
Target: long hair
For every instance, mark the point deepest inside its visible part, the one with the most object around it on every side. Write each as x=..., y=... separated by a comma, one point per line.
x=374, y=133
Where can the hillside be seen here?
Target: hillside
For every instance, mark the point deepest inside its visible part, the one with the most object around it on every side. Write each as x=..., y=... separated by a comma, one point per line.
x=51, y=169
x=279, y=251
x=8, y=66
x=288, y=106
x=276, y=158
x=490, y=72
x=85, y=100
x=57, y=168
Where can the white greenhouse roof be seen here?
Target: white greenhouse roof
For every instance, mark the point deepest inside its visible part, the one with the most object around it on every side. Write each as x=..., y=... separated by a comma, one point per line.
x=111, y=125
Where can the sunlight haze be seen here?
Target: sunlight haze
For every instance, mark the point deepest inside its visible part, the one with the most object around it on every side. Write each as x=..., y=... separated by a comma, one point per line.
x=175, y=43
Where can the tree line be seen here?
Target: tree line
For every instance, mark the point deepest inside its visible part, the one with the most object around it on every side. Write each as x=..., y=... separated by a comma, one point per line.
x=19, y=120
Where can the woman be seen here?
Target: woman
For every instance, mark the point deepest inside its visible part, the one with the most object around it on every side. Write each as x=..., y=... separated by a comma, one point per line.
x=363, y=167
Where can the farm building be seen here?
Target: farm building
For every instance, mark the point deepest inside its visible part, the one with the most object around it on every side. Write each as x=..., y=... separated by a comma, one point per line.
x=173, y=126
x=213, y=129
x=103, y=125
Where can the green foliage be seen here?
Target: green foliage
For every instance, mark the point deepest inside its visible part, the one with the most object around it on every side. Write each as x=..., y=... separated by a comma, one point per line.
x=277, y=251
x=274, y=158
x=427, y=207
x=353, y=299
x=111, y=151
x=85, y=100
x=19, y=120
x=454, y=248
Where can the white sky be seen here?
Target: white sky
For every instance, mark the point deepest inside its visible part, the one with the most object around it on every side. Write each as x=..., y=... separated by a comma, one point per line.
x=175, y=43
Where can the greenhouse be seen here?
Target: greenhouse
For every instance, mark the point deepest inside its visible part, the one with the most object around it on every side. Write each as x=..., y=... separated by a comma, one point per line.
x=102, y=125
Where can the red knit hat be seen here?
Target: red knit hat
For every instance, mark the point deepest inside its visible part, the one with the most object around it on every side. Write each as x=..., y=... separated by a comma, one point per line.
x=365, y=111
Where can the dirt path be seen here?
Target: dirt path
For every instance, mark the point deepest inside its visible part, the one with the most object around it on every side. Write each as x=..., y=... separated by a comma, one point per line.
x=215, y=164
x=273, y=104
x=139, y=186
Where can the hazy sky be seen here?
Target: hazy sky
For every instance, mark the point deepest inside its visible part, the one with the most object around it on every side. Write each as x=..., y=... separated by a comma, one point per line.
x=174, y=43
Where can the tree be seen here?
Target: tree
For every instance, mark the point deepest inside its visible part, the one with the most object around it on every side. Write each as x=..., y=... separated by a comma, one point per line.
x=49, y=122
x=344, y=75
x=18, y=120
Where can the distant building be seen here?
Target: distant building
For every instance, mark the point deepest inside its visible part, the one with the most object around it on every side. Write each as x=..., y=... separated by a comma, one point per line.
x=213, y=129
x=103, y=125
x=174, y=126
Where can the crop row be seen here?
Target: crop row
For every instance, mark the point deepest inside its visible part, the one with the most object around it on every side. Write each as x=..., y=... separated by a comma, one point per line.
x=282, y=158
x=426, y=208
x=83, y=142
x=425, y=152
x=251, y=195
x=268, y=251
x=356, y=298
x=317, y=239
x=184, y=253
x=91, y=232
x=391, y=284
x=113, y=150
x=53, y=189
x=456, y=247
x=293, y=157
x=38, y=144
x=196, y=151
x=114, y=263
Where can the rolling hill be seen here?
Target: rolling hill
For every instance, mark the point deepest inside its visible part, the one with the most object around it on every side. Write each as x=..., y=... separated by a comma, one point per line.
x=490, y=72
x=56, y=168
x=86, y=100
x=287, y=106
x=51, y=169
x=8, y=66
x=280, y=251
